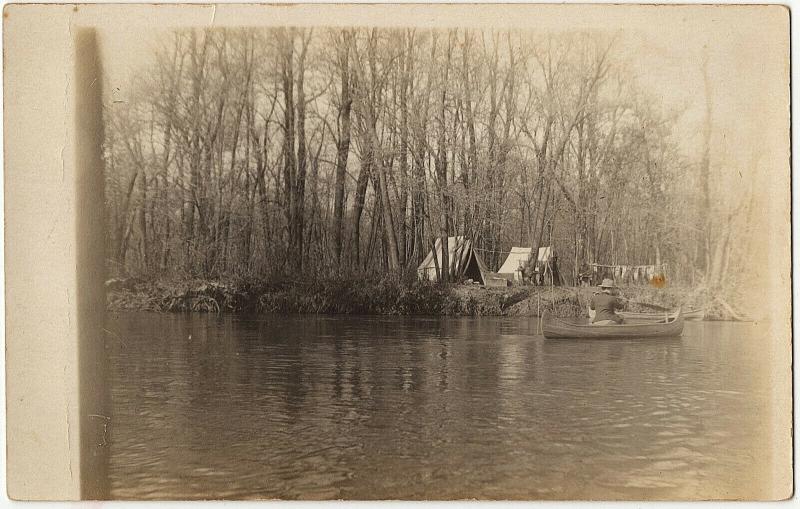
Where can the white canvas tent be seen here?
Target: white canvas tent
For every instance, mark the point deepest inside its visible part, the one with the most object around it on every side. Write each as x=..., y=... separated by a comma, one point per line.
x=463, y=261
x=518, y=258
x=516, y=261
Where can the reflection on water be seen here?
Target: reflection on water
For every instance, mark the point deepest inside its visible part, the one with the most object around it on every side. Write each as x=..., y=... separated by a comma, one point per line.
x=430, y=408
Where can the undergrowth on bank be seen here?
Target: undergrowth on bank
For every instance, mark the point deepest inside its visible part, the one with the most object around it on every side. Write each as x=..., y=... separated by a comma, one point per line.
x=386, y=296
x=383, y=296
x=389, y=296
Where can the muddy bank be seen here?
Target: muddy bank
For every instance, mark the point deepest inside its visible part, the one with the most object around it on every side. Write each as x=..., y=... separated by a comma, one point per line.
x=384, y=296
x=569, y=301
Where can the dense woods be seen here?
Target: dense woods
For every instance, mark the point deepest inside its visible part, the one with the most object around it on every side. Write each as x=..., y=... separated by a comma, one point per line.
x=318, y=152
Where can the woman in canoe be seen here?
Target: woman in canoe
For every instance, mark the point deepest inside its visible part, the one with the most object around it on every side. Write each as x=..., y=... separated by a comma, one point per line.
x=605, y=304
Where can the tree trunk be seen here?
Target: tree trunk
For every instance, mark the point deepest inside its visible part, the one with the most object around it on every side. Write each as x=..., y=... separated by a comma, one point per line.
x=388, y=221
x=143, y=220
x=358, y=206
x=289, y=155
x=302, y=163
x=342, y=145
x=403, y=152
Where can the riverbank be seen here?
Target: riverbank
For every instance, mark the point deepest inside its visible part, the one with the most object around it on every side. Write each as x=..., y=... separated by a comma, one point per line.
x=381, y=296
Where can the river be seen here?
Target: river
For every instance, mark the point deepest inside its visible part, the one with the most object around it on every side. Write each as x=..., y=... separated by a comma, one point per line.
x=322, y=407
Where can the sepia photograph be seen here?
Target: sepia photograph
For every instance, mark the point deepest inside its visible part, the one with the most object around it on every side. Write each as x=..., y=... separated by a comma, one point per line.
x=399, y=252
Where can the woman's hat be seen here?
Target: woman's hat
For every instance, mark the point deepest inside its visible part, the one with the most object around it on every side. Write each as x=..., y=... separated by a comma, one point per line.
x=607, y=283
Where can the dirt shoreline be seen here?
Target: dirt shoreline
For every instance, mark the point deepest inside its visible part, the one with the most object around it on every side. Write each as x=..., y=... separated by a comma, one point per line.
x=380, y=297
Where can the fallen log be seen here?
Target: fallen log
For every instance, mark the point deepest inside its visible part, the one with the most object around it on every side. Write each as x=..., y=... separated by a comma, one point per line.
x=736, y=316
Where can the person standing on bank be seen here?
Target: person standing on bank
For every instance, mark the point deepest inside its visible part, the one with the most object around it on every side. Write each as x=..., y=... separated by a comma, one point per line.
x=605, y=304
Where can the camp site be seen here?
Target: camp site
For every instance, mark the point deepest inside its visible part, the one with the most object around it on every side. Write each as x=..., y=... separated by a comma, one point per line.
x=254, y=200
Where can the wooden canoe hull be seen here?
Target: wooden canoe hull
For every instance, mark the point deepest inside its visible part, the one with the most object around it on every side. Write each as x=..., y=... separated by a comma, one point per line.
x=695, y=314
x=558, y=328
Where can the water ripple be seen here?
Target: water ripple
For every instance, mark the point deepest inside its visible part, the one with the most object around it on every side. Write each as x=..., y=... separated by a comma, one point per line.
x=376, y=407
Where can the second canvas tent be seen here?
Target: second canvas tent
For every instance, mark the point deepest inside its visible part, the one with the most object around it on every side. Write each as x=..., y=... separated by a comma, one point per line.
x=518, y=258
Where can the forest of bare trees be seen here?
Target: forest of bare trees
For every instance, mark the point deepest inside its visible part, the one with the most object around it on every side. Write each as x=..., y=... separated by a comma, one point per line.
x=319, y=152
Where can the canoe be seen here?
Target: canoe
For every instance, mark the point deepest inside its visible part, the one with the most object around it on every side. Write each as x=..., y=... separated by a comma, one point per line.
x=693, y=314
x=559, y=328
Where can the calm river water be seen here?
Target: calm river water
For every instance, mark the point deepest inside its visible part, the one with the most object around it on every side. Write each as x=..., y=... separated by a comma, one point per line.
x=319, y=407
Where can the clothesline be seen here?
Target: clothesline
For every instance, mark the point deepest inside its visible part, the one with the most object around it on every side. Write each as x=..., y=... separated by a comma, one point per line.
x=501, y=251
x=490, y=250
x=628, y=266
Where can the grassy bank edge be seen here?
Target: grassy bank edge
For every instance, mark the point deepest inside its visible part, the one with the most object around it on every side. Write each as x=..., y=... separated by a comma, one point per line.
x=386, y=296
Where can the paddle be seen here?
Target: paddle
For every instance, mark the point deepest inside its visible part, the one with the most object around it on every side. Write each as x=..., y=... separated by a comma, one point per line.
x=654, y=306
x=645, y=304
